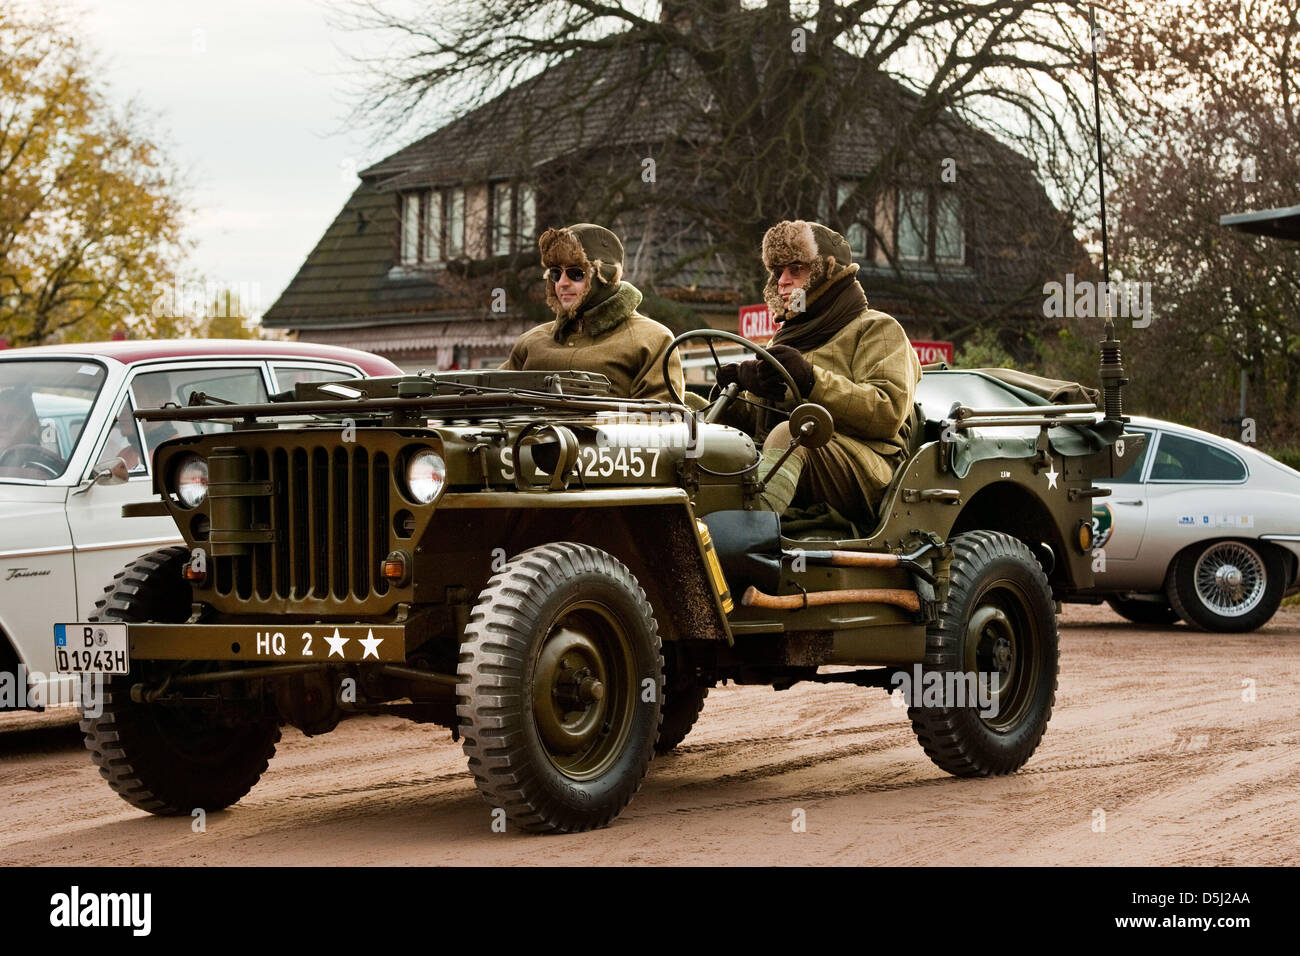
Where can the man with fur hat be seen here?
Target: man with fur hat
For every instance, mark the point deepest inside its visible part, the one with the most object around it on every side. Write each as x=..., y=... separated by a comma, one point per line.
x=597, y=327
x=844, y=355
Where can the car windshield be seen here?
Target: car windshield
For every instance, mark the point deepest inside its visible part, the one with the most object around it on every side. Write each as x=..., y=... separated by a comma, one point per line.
x=43, y=409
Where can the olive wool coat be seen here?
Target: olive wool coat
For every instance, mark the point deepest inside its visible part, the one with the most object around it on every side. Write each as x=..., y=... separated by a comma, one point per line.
x=865, y=375
x=611, y=338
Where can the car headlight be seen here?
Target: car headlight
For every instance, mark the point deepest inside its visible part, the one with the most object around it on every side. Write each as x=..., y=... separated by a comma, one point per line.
x=426, y=473
x=192, y=481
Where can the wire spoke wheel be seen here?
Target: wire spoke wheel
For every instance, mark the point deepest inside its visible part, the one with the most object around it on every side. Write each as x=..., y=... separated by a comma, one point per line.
x=1227, y=585
x=1230, y=579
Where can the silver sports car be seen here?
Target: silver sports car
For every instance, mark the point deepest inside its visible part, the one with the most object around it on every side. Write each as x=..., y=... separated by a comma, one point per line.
x=1200, y=528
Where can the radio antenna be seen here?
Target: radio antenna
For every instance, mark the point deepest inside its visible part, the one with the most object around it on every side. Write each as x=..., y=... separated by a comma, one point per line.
x=1112, y=368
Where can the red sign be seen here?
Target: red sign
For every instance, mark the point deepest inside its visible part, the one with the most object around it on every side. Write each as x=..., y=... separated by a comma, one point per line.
x=930, y=352
x=756, y=324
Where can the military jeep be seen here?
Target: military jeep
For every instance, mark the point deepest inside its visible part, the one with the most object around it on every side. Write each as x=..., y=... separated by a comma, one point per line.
x=559, y=577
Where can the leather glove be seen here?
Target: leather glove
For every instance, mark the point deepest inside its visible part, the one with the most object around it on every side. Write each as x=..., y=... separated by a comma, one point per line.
x=800, y=370
x=749, y=376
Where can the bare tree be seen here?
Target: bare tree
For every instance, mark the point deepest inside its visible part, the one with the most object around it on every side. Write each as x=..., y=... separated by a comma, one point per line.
x=1213, y=133
x=750, y=114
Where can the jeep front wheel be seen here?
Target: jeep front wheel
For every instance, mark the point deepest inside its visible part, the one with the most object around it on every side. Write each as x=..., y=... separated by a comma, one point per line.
x=999, y=621
x=560, y=688
x=169, y=760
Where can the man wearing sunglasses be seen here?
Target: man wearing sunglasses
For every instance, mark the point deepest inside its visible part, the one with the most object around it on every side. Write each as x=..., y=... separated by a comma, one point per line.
x=597, y=327
x=844, y=355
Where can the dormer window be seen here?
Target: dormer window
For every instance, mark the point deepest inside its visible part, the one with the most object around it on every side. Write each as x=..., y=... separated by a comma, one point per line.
x=441, y=224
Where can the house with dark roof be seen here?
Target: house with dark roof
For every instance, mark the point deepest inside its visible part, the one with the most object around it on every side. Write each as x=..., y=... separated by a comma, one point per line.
x=433, y=261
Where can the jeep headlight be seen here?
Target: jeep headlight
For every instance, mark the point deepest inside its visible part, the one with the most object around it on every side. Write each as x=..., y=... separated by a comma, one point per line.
x=426, y=473
x=192, y=481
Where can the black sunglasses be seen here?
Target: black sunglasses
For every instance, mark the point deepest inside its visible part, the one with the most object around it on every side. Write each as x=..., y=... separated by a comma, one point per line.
x=574, y=273
x=796, y=268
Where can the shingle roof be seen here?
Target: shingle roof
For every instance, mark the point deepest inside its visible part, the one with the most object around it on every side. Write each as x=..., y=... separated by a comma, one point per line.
x=345, y=281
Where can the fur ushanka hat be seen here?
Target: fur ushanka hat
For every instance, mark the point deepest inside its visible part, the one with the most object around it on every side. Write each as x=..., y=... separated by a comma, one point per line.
x=594, y=248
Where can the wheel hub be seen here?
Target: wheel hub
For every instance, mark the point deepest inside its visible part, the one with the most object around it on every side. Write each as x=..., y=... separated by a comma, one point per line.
x=569, y=695
x=1229, y=578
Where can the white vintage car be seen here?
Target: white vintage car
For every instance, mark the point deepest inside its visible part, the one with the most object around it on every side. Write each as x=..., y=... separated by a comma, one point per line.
x=72, y=454
x=1200, y=528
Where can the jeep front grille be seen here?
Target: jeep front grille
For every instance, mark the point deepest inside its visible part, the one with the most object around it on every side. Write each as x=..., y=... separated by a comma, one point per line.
x=324, y=527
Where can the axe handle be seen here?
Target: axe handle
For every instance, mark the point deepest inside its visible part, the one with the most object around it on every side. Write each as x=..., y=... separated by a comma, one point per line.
x=898, y=597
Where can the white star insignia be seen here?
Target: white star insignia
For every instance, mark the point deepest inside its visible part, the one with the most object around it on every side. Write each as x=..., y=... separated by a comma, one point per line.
x=1052, y=476
x=371, y=644
x=336, y=644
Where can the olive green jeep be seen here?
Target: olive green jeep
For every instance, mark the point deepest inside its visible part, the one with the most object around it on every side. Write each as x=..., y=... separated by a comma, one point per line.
x=560, y=576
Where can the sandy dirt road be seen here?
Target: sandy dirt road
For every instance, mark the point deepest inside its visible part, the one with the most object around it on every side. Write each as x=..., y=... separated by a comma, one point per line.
x=1150, y=728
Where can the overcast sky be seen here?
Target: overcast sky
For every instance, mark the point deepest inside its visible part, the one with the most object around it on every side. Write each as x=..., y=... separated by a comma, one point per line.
x=252, y=99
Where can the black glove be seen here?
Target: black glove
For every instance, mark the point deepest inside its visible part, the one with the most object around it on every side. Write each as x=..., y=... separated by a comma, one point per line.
x=749, y=376
x=800, y=370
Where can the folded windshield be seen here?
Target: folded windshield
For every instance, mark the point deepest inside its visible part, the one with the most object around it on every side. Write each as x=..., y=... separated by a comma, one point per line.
x=44, y=405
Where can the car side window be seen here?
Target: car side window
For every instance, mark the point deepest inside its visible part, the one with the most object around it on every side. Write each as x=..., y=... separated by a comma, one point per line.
x=124, y=440
x=1186, y=459
x=155, y=389
x=287, y=376
x=1134, y=471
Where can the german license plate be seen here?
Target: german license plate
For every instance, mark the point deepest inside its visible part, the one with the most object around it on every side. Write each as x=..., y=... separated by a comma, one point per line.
x=91, y=649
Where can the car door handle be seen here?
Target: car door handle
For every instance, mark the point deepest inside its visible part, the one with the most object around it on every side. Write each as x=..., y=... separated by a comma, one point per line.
x=1130, y=501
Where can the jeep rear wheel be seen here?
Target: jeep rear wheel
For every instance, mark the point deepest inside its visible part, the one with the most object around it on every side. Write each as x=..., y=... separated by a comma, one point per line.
x=685, y=690
x=560, y=688
x=999, y=620
x=163, y=759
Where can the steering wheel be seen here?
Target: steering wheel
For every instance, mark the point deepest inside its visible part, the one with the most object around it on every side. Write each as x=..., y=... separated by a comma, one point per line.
x=719, y=404
x=33, y=456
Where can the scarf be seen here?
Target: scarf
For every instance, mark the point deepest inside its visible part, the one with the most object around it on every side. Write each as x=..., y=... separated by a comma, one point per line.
x=835, y=308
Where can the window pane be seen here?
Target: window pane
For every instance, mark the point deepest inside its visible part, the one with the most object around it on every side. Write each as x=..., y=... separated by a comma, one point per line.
x=1185, y=459
x=1134, y=470
x=949, y=237
x=433, y=227
x=913, y=224
x=241, y=385
x=857, y=237
x=287, y=377
x=842, y=192
x=43, y=406
x=410, y=227
x=154, y=390
x=527, y=216
x=124, y=441
x=455, y=223
x=502, y=216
